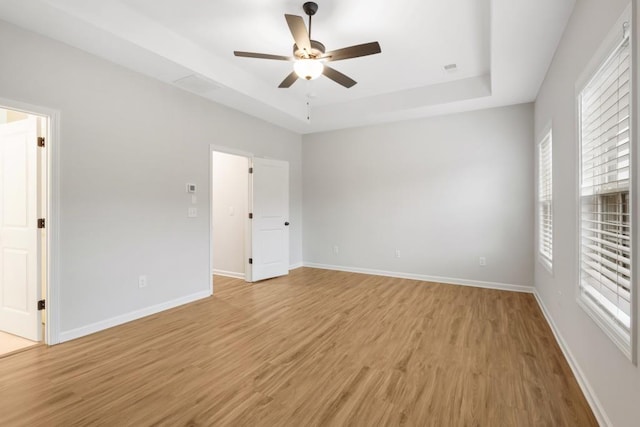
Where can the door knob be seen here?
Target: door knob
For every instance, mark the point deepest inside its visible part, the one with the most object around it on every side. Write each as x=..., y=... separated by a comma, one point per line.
x=286, y=223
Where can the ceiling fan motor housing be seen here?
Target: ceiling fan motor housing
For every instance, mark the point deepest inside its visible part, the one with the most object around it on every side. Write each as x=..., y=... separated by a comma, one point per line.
x=317, y=50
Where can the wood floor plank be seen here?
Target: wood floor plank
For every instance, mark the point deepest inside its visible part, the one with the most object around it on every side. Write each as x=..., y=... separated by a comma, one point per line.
x=315, y=348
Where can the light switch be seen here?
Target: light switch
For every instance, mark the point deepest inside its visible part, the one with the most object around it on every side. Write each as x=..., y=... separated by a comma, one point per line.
x=232, y=211
x=194, y=199
x=193, y=212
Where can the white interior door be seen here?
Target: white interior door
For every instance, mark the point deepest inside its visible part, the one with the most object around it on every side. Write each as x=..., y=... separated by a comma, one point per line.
x=270, y=224
x=19, y=254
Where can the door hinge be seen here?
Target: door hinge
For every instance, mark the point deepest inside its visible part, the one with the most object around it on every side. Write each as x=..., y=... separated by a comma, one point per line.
x=250, y=216
x=41, y=223
x=41, y=305
x=250, y=170
x=250, y=260
x=41, y=141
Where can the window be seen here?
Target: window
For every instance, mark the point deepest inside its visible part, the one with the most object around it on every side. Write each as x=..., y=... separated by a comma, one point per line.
x=545, y=200
x=605, y=184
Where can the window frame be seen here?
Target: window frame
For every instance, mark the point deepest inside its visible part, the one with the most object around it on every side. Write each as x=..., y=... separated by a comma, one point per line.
x=595, y=311
x=546, y=261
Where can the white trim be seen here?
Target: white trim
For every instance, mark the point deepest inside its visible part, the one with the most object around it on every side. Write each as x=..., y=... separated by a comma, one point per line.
x=224, y=273
x=296, y=266
x=248, y=230
x=210, y=185
x=53, y=245
x=227, y=150
x=52, y=324
x=426, y=278
x=128, y=317
x=586, y=388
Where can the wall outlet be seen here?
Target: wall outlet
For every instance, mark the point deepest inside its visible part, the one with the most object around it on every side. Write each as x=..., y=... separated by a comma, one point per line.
x=482, y=261
x=397, y=253
x=336, y=250
x=192, y=213
x=142, y=281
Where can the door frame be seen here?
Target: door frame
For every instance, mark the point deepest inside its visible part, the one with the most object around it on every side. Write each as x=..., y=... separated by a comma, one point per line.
x=247, y=227
x=52, y=209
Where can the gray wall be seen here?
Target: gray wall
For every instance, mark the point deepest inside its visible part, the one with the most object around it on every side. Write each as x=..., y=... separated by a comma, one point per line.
x=612, y=378
x=129, y=144
x=444, y=191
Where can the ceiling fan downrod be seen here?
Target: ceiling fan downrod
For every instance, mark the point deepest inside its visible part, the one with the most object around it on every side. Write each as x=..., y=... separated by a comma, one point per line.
x=310, y=8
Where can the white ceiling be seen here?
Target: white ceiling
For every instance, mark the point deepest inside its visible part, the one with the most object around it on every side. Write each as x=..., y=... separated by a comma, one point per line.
x=502, y=49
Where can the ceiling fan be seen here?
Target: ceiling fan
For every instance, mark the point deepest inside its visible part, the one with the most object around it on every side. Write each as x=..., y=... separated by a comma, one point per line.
x=310, y=56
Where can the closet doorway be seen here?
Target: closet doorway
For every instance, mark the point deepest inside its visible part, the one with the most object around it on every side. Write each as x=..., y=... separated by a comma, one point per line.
x=249, y=216
x=230, y=214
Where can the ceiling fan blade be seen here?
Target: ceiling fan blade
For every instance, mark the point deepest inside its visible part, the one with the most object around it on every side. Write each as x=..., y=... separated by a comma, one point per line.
x=338, y=77
x=289, y=80
x=353, y=51
x=262, y=56
x=299, y=33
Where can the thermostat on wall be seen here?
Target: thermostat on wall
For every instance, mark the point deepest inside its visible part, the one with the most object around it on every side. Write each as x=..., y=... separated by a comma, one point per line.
x=191, y=188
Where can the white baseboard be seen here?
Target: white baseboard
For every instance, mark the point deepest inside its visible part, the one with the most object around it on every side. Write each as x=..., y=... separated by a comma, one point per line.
x=233, y=274
x=295, y=266
x=586, y=388
x=425, y=278
x=128, y=317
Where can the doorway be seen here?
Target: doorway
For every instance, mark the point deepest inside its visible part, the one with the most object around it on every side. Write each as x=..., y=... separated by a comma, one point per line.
x=249, y=216
x=229, y=214
x=23, y=236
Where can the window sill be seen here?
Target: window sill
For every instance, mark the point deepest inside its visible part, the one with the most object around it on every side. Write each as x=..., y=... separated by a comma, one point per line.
x=615, y=333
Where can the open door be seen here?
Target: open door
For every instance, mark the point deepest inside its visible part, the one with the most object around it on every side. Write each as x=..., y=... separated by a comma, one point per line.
x=19, y=243
x=270, y=223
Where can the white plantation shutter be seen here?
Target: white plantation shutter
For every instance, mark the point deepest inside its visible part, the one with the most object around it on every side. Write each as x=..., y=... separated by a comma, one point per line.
x=605, y=255
x=545, y=200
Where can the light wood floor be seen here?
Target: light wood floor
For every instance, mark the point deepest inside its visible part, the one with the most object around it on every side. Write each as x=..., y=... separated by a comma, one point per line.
x=11, y=343
x=315, y=348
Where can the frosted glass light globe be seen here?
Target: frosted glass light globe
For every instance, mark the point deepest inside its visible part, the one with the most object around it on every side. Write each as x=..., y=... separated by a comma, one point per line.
x=308, y=69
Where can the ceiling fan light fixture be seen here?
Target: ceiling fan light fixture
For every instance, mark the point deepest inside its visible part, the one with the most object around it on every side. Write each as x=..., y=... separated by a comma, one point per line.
x=308, y=69
x=310, y=55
